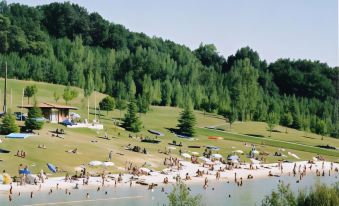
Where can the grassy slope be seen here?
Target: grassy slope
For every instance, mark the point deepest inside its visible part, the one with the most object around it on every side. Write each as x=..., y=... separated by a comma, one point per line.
x=159, y=118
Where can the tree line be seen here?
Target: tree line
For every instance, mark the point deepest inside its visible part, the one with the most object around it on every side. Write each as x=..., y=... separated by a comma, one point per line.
x=64, y=44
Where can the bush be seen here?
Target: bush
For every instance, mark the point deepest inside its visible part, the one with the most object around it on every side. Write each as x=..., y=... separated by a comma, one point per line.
x=320, y=195
x=180, y=195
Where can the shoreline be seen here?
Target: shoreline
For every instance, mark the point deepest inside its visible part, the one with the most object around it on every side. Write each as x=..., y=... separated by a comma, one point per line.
x=157, y=177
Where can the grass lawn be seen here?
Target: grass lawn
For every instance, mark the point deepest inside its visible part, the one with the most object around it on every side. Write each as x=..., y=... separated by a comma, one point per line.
x=259, y=129
x=159, y=118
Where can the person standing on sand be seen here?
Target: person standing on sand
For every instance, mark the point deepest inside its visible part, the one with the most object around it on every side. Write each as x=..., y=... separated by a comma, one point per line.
x=206, y=183
x=103, y=179
x=110, y=155
x=11, y=189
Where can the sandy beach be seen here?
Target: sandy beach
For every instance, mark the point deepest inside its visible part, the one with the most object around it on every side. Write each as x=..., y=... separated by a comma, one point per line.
x=189, y=168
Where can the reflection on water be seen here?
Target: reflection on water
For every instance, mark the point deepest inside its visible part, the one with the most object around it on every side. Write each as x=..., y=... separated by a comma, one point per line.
x=251, y=193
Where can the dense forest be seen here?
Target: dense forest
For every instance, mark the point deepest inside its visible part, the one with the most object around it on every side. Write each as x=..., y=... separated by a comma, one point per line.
x=62, y=43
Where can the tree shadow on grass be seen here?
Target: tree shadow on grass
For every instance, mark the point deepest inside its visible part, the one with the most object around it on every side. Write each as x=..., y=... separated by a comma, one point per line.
x=173, y=130
x=255, y=135
x=274, y=130
x=309, y=137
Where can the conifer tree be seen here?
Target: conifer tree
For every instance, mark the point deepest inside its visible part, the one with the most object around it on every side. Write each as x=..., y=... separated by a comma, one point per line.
x=32, y=121
x=131, y=121
x=8, y=124
x=187, y=122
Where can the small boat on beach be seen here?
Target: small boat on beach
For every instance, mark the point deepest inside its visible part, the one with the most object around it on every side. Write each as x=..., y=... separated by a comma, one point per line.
x=156, y=132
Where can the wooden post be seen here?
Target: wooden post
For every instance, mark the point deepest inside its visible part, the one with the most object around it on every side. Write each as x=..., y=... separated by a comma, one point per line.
x=22, y=102
x=5, y=91
x=95, y=106
x=11, y=99
x=87, y=109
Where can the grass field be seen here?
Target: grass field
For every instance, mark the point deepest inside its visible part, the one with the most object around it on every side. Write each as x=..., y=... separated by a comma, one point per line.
x=159, y=118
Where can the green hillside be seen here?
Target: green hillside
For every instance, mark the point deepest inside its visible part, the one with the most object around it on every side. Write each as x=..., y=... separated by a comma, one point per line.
x=158, y=118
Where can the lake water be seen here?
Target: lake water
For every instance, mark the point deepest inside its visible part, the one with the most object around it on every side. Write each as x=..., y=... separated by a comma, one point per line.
x=251, y=193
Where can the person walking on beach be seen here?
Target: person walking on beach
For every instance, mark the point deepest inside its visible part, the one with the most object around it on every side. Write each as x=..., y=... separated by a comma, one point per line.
x=110, y=155
x=205, y=183
x=11, y=189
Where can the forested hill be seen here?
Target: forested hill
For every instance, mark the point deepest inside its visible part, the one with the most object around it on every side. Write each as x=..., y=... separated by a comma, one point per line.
x=63, y=43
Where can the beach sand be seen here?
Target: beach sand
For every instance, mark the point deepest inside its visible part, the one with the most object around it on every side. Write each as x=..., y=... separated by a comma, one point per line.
x=188, y=167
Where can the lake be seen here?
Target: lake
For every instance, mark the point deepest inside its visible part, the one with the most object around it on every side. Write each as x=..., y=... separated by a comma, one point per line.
x=251, y=193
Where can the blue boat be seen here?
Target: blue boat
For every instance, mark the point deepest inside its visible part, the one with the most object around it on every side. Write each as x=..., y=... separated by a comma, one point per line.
x=67, y=122
x=18, y=135
x=24, y=171
x=51, y=167
x=213, y=148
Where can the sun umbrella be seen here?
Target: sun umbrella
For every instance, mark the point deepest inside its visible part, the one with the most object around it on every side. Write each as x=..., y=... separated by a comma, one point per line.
x=95, y=163
x=216, y=156
x=108, y=164
x=51, y=167
x=145, y=169
x=195, y=153
x=24, y=171
x=239, y=151
x=186, y=155
x=204, y=159
x=173, y=148
x=233, y=157
x=254, y=161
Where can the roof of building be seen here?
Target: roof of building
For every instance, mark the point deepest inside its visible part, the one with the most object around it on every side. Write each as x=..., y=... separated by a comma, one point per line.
x=48, y=105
